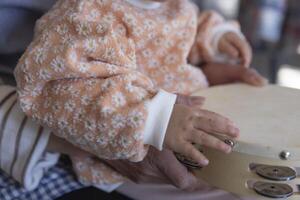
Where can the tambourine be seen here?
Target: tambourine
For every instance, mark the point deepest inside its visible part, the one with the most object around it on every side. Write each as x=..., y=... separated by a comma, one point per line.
x=265, y=162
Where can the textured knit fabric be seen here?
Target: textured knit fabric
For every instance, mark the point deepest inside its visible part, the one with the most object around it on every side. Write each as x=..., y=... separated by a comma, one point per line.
x=95, y=64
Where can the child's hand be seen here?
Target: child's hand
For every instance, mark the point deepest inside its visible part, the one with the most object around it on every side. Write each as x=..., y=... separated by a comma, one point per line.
x=236, y=47
x=190, y=124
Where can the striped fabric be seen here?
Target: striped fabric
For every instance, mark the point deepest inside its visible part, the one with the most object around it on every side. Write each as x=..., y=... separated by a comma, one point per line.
x=59, y=180
x=22, y=143
x=22, y=157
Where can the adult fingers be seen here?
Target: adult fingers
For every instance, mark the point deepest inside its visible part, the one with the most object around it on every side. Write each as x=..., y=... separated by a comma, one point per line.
x=178, y=174
x=189, y=151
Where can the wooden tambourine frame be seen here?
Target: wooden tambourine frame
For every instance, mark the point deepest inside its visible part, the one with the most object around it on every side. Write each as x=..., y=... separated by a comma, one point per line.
x=265, y=162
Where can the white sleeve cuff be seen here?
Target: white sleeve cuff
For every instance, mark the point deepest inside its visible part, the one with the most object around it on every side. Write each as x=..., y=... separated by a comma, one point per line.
x=159, y=113
x=217, y=33
x=22, y=143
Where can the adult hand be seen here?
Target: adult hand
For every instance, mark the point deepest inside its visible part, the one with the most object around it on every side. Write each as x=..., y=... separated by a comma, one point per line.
x=59, y=145
x=157, y=167
x=224, y=73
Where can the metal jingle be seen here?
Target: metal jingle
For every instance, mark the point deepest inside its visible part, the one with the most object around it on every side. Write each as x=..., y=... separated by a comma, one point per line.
x=273, y=190
x=229, y=142
x=187, y=162
x=276, y=173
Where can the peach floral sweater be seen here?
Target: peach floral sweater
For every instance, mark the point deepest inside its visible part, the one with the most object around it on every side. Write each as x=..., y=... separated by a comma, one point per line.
x=102, y=73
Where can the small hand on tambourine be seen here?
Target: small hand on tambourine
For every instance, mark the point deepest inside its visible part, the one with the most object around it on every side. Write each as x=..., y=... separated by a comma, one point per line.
x=189, y=124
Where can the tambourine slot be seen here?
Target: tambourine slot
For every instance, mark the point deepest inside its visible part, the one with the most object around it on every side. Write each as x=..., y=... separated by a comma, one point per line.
x=248, y=185
x=252, y=166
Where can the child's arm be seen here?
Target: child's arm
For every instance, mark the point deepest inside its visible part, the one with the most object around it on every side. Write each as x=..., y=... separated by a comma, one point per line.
x=218, y=40
x=84, y=85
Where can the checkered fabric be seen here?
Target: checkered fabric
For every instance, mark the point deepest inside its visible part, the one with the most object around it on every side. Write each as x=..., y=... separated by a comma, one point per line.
x=58, y=181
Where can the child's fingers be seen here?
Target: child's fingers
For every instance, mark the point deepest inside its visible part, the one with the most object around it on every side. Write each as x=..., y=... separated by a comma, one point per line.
x=243, y=47
x=204, y=139
x=214, y=123
x=227, y=48
x=189, y=151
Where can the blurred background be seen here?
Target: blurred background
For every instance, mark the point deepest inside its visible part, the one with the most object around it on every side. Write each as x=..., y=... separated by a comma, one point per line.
x=271, y=26
x=273, y=29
